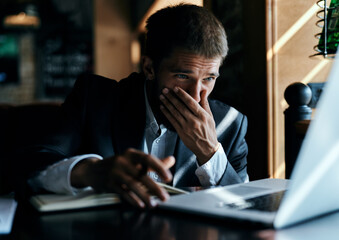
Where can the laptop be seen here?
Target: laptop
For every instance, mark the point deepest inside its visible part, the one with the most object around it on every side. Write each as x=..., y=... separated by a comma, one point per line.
x=279, y=203
x=7, y=211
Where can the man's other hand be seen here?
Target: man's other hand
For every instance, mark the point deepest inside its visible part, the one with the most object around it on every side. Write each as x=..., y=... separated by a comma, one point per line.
x=125, y=174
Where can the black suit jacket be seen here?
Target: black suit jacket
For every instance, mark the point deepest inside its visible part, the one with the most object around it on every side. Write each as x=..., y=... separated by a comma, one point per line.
x=106, y=117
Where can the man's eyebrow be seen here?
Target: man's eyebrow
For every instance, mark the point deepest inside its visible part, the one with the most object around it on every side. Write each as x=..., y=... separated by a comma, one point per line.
x=214, y=74
x=189, y=71
x=180, y=71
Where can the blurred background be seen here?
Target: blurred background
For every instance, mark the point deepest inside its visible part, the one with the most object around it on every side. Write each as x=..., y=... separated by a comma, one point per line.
x=46, y=44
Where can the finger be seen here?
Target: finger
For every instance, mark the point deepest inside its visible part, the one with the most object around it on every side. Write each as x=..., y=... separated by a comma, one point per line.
x=178, y=113
x=134, y=191
x=142, y=169
x=168, y=162
x=150, y=161
x=171, y=118
x=191, y=104
x=129, y=166
x=204, y=102
x=174, y=104
x=154, y=189
x=131, y=198
x=143, y=189
x=124, y=191
x=140, y=191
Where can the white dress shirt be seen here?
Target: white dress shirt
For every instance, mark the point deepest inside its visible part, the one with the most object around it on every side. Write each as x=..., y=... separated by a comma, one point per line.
x=158, y=141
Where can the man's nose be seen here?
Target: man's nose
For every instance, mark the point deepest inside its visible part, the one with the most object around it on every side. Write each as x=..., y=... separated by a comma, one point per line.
x=195, y=90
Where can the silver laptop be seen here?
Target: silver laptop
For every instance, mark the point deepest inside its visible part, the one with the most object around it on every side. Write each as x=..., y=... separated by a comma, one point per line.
x=7, y=211
x=312, y=191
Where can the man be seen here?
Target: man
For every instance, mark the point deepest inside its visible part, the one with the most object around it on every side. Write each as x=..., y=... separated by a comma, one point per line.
x=158, y=125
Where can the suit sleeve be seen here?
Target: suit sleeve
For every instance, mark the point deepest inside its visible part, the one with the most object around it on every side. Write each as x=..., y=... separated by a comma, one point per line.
x=62, y=140
x=236, y=150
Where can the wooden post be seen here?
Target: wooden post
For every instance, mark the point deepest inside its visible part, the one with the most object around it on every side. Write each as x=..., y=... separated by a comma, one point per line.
x=297, y=95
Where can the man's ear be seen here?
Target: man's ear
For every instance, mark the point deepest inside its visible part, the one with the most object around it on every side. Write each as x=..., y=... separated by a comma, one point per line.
x=147, y=67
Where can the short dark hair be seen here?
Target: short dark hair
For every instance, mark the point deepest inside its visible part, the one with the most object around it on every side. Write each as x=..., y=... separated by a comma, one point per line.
x=188, y=27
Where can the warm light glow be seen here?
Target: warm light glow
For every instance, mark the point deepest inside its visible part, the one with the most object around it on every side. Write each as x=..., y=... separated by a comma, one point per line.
x=159, y=4
x=292, y=31
x=135, y=52
x=279, y=171
x=21, y=20
x=315, y=71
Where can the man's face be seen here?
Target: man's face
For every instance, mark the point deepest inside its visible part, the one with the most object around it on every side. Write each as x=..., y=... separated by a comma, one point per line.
x=191, y=72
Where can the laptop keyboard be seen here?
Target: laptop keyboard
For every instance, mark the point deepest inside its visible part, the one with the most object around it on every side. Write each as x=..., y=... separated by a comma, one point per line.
x=268, y=203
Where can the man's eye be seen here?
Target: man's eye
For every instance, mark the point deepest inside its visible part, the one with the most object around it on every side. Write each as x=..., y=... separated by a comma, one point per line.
x=209, y=79
x=181, y=76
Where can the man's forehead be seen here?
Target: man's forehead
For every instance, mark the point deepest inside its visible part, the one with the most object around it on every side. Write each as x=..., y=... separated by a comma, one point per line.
x=183, y=53
x=191, y=62
x=186, y=62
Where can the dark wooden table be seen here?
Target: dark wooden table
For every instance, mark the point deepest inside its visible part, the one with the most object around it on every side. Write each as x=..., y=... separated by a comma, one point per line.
x=121, y=222
x=124, y=222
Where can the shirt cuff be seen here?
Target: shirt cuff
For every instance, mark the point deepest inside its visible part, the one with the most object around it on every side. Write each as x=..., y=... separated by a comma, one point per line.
x=57, y=177
x=211, y=172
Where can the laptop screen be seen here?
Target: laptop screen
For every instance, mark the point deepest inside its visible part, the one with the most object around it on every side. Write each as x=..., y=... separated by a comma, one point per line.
x=315, y=177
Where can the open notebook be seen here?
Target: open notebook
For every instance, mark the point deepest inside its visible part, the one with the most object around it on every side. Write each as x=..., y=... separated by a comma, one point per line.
x=87, y=199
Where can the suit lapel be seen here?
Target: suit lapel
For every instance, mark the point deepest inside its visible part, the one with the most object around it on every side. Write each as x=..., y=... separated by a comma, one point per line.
x=184, y=174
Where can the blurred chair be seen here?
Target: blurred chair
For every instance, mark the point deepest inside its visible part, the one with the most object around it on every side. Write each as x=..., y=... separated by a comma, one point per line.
x=21, y=126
